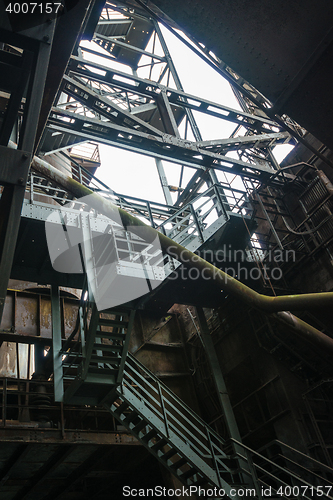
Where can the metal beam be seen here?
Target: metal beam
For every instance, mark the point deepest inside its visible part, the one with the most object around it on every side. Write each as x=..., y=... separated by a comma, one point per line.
x=220, y=385
x=103, y=106
x=163, y=181
x=127, y=46
x=10, y=214
x=166, y=147
x=43, y=472
x=221, y=388
x=176, y=96
x=245, y=140
x=56, y=344
x=15, y=164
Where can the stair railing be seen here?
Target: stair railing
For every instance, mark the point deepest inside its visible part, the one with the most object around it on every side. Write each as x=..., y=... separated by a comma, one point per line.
x=283, y=477
x=179, y=422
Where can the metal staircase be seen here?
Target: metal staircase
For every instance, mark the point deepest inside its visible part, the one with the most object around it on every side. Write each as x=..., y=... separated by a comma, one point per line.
x=98, y=370
x=94, y=362
x=195, y=225
x=192, y=451
x=170, y=430
x=94, y=368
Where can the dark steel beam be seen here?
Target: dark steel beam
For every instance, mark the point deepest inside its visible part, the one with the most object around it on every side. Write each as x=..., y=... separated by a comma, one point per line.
x=57, y=344
x=14, y=460
x=67, y=33
x=55, y=436
x=91, y=462
x=15, y=164
x=10, y=214
x=55, y=460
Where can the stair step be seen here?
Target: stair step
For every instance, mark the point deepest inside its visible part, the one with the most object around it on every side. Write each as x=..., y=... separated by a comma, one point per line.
x=189, y=473
x=111, y=335
x=182, y=461
x=147, y=437
x=130, y=417
x=121, y=408
x=157, y=446
x=108, y=347
x=169, y=454
x=139, y=426
x=105, y=359
x=102, y=371
x=200, y=482
x=113, y=322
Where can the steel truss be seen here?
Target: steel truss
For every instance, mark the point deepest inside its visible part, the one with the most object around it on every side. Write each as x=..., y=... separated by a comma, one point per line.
x=148, y=111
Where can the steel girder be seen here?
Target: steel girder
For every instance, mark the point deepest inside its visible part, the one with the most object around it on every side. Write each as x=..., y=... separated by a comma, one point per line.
x=165, y=147
x=29, y=70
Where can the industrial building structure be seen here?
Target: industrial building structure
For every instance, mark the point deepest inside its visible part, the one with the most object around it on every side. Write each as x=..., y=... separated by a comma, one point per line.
x=185, y=343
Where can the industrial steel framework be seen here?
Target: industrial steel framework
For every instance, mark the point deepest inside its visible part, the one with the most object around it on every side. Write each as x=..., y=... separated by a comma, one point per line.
x=145, y=109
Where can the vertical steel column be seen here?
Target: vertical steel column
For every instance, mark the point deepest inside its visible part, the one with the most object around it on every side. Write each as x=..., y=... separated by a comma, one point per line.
x=217, y=375
x=13, y=193
x=195, y=129
x=221, y=388
x=56, y=344
x=164, y=181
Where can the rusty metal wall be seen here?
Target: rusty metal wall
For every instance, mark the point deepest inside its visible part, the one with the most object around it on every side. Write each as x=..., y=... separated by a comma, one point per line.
x=28, y=313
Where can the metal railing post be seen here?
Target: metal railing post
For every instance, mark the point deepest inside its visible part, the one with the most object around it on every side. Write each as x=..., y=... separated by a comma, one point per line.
x=165, y=418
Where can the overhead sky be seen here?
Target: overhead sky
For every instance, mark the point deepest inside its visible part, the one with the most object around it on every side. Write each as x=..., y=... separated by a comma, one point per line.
x=136, y=175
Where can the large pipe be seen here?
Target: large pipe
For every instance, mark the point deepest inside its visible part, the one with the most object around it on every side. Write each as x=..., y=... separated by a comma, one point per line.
x=280, y=305
x=304, y=330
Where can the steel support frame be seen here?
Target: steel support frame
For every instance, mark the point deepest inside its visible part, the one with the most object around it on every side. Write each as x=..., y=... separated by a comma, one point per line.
x=167, y=147
x=242, y=86
x=164, y=99
x=133, y=83
x=15, y=164
x=212, y=177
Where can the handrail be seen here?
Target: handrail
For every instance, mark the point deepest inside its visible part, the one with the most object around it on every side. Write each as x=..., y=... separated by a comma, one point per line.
x=297, y=480
x=177, y=419
x=131, y=360
x=294, y=450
